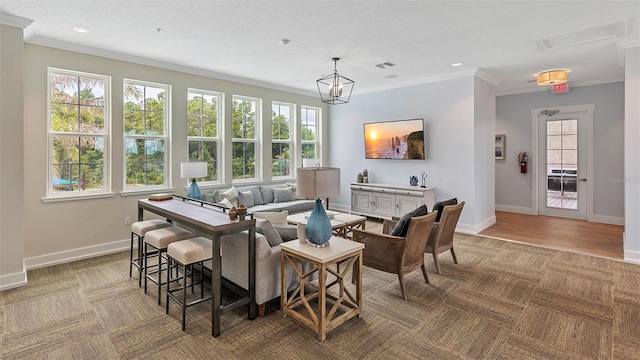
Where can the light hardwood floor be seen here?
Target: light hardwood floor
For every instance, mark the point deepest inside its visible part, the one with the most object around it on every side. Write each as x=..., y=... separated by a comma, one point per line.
x=577, y=236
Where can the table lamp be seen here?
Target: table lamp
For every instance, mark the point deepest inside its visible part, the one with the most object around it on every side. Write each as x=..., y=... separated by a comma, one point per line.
x=193, y=170
x=318, y=183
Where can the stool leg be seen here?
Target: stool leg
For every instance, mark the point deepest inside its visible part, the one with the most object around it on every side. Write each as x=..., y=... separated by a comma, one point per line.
x=141, y=260
x=184, y=297
x=131, y=256
x=146, y=267
x=159, y=276
x=168, y=287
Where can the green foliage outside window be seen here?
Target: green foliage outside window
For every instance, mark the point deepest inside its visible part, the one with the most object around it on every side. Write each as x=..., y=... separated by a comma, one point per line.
x=243, y=164
x=202, y=131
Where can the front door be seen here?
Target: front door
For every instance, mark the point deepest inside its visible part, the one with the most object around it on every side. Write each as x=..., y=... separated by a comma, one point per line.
x=562, y=165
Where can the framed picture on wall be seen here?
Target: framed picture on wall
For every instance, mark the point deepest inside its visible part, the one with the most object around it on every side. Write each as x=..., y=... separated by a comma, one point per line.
x=500, y=147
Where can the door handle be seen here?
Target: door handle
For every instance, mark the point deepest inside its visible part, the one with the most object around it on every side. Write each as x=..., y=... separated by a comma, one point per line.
x=583, y=179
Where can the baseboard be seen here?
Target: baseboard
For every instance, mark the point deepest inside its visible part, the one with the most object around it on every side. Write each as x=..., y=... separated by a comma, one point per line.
x=76, y=254
x=516, y=209
x=13, y=280
x=475, y=229
x=340, y=208
x=632, y=256
x=608, y=220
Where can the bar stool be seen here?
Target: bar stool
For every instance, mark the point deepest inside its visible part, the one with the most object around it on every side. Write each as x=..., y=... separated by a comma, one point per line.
x=140, y=228
x=186, y=253
x=159, y=240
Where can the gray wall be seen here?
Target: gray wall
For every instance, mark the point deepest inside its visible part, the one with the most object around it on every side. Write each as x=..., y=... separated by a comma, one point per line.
x=513, y=118
x=632, y=154
x=452, y=136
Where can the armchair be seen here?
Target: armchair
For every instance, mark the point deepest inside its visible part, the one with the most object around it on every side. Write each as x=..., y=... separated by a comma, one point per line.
x=395, y=254
x=441, y=236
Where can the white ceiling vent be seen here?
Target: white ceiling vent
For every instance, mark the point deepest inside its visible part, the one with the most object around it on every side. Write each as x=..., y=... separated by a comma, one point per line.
x=602, y=32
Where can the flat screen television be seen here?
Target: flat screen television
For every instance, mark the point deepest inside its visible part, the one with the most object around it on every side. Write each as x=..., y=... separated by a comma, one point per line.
x=398, y=140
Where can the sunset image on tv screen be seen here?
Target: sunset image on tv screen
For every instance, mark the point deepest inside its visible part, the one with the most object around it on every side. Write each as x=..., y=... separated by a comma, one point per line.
x=403, y=139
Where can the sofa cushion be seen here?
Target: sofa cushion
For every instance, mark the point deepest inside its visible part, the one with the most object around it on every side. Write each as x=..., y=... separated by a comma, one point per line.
x=246, y=198
x=230, y=195
x=265, y=228
x=282, y=195
x=439, y=206
x=274, y=217
x=287, y=232
x=292, y=206
x=257, y=195
x=402, y=226
x=267, y=192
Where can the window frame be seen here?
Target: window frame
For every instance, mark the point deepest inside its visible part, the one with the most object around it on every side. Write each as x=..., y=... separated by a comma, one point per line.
x=105, y=135
x=220, y=161
x=318, y=124
x=291, y=141
x=256, y=140
x=166, y=186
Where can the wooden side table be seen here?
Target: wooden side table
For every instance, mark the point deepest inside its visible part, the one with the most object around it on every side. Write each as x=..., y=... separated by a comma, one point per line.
x=300, y=305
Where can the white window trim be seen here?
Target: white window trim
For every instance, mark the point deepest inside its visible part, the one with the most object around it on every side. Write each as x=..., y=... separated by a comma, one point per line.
x=167, y=137
x=258, y=143
x=219, y=139
x=293, y=149
x=52, y=196
x=318, y=140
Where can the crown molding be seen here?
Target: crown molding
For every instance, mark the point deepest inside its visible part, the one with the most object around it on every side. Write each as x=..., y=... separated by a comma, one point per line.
x=624, y=45
x=15, y=21
x=484, y=76
x=63, y=45
x=418, y=82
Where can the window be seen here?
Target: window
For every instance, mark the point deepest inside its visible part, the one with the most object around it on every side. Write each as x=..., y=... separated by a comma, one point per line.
x=244, y=143
x=79, y=124
x=203, y=130
x=310, y=124
x=281, y=143
x=146, y=129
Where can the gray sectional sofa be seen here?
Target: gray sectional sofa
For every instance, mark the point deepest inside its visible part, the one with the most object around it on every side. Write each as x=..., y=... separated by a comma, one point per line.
x=261, y=198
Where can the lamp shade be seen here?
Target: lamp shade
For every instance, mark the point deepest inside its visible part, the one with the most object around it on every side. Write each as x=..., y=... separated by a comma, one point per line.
x=318, y=182
x=552, y=77
x=193, y=170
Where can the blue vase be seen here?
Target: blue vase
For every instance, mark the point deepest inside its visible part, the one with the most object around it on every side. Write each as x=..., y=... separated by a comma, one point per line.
x=318, y=229
x=194, y=191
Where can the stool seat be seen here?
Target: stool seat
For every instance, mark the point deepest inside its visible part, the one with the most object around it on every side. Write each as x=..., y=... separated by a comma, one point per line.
x=161, y=238
x=140, y=228
x=191, y=250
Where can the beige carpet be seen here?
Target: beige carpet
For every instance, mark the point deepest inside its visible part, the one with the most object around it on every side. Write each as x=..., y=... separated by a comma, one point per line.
x=503, y=301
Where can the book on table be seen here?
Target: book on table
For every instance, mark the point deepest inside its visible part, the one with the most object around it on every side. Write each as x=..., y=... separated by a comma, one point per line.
x=160, y=197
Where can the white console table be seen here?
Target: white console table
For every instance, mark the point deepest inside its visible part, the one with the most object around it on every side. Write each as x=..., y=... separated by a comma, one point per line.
x=388, y=200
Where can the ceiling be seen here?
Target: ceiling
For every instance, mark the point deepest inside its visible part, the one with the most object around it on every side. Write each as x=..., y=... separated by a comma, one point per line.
x=241, y=40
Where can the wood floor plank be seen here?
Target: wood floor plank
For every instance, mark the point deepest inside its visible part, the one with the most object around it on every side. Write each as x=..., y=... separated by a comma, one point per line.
x=578, y=236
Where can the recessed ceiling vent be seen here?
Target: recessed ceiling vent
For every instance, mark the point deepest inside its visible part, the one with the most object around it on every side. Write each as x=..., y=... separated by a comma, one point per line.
x=608, y=31
x=385, y=64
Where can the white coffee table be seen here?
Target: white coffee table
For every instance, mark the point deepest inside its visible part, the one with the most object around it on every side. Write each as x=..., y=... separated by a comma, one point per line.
x=341, y=223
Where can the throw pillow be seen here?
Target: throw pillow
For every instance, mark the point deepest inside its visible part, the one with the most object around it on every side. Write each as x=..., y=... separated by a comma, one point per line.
x=226, y=203
x=257, y=195
x=230, y=195
x=402, y=226
x=273, y=217
x=246, y=198
x=265, y=228
x=439, y=206
x=267, y=193
x=282, y=195
x=287, y=232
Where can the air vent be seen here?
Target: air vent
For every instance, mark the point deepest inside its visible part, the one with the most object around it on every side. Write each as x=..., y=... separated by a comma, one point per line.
x=385, y=64
x=608, y=31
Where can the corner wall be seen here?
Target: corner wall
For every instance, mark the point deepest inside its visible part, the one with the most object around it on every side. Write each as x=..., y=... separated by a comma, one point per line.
x=632, y=155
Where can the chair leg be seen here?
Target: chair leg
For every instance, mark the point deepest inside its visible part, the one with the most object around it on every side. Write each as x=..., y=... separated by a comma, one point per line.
x=424, y=273
x=404, y=291
x=453, y=253
x=435, y=261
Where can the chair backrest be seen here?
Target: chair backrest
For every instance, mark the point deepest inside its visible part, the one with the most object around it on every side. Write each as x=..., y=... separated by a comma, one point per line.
x=416, y=239
x=447, y=227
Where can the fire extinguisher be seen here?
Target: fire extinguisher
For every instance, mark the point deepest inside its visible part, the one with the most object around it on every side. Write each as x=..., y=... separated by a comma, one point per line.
x=523, y=159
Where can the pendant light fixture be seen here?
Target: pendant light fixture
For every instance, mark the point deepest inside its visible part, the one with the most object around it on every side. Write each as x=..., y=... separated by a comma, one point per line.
x=335, y=88
x=552, y=77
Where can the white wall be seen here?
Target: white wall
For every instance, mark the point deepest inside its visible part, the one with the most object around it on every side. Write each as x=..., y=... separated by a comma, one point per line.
x=632, y=154
x=11, y=167
x=513, y=118
x=484, y=141
x=451, y=140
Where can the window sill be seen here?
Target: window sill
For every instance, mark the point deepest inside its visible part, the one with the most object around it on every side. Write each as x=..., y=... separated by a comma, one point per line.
x=76, y=197
x=136, y=192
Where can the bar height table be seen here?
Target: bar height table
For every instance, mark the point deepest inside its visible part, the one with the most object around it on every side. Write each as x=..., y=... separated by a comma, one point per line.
x=214, y=223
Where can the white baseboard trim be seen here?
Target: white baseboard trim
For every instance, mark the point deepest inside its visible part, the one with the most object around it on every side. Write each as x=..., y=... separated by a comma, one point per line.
x=477, y=228
x=340, y=208
x=516, y=209
x=13, y=280
x=608, y=220
x=62, y=257
x=632, y=256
